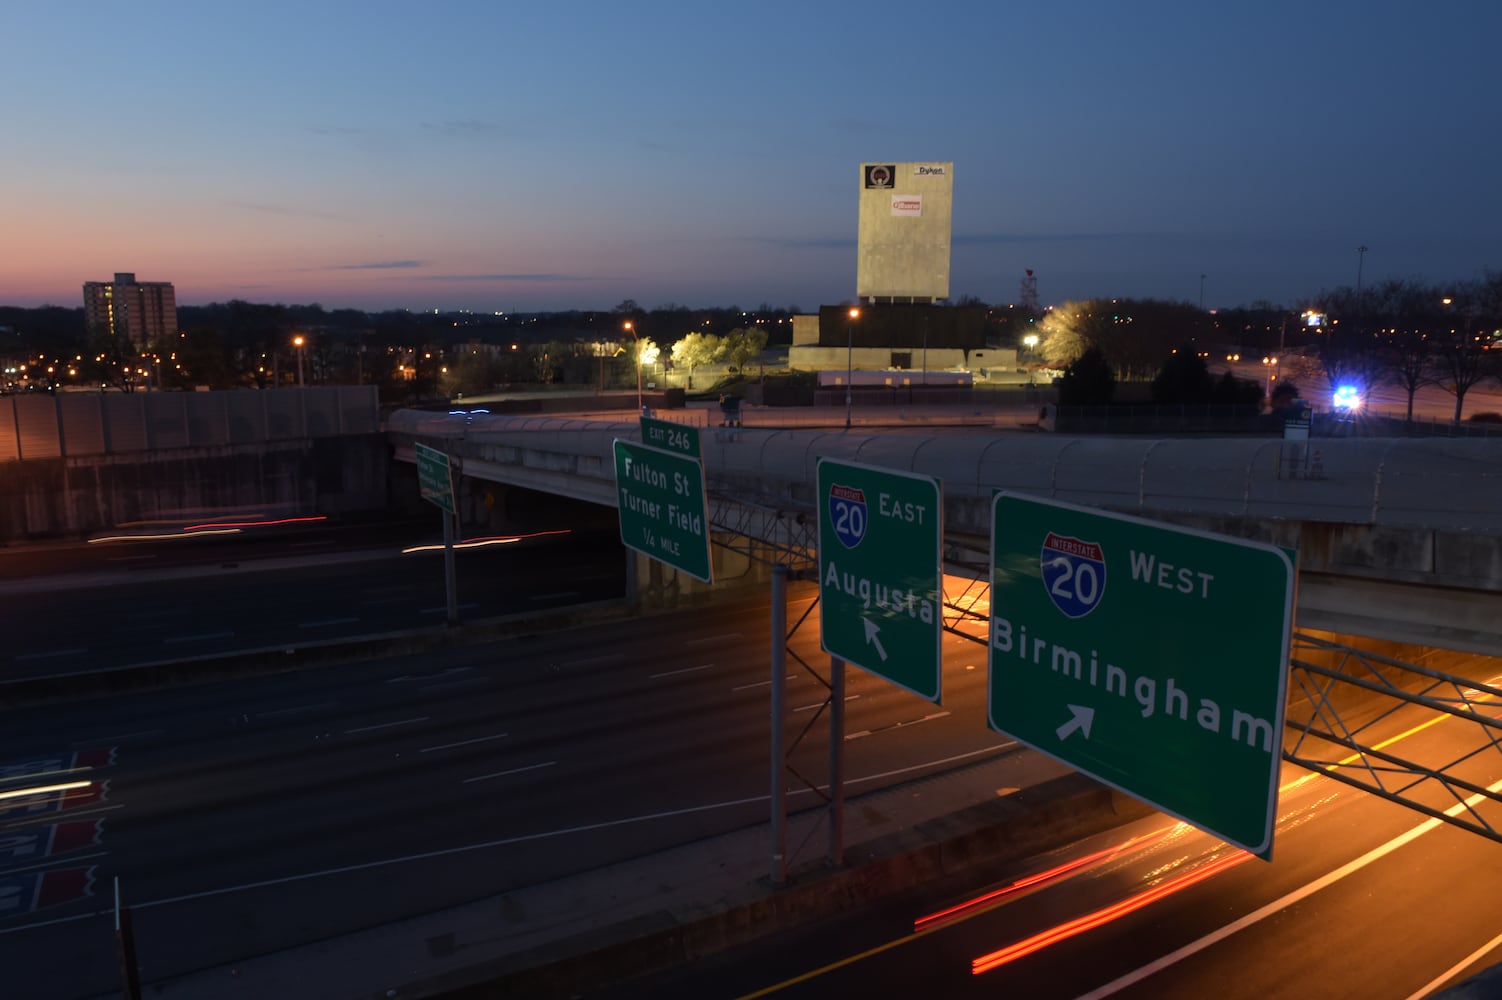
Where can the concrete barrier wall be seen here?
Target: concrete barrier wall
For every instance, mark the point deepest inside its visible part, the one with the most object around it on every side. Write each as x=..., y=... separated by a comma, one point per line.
x=75, y=497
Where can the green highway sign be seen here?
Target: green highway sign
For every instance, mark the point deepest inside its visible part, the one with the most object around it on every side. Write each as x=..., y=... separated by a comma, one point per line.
x=881, y=582
x=664, y=508
x=664, y=434
x=435, y=481
x=1151, y=657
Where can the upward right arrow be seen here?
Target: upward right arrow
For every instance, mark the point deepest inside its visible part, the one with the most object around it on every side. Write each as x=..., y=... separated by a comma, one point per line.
x=1082, y=716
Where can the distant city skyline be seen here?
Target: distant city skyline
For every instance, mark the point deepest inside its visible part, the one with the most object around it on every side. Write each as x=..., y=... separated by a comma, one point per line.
x=496, y=157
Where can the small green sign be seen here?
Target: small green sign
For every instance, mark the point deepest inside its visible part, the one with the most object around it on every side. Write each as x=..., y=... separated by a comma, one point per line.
x=664, y=434
x=664, y=508
x=434, y=477
x=1153, y=658
x=881, y=582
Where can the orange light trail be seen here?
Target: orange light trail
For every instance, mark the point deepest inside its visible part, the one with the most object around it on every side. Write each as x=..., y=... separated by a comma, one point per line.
x=477, y=543
x=1041, y=878
x=254, y=524
x=1099, y=918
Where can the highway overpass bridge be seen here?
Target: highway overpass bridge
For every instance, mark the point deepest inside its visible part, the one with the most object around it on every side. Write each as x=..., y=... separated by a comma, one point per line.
x=1398, y=539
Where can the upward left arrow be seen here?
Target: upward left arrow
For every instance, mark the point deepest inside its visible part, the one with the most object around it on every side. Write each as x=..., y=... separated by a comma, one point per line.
x=873, y=632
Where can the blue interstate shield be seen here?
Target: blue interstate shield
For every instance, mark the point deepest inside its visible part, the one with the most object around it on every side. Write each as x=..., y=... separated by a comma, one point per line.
x=847, y=514
x=1074, y=573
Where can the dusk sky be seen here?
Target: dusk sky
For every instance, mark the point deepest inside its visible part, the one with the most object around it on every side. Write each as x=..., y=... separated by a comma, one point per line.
x=517, y=156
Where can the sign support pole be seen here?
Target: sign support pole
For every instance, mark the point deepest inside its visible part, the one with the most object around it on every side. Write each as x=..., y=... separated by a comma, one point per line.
x=836, y=761
x=450, y=588
x=779, y=683
x=125, y=943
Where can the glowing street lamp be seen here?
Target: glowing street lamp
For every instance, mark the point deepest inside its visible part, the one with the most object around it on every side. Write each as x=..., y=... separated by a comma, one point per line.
x=855, y=314
x=298, y=342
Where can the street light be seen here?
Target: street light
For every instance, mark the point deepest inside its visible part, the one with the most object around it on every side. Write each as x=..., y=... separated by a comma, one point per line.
x=298, y=342
x=1031, y=343
x=631, y=329
x=1271, y=364
x=855, y=314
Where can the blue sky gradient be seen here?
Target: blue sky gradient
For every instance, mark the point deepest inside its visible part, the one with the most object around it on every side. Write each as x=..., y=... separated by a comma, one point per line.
x=542, y=156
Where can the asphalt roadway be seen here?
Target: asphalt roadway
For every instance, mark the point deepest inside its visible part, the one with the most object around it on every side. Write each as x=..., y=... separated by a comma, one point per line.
x=561, y=936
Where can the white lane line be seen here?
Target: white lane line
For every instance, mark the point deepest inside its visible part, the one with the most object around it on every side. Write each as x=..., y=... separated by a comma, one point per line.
x=202, y=637
x=675, y=673
x=502, y=774
x=760, y=684
x=1456, y=969
x=901, y=725
x=439, y=611
x=549, y=597
x=713, y=638
x=116, y=739
x=51, y=862
x=385, y=725
x=465, y=743
x=50, y=655
x=1291, y=899
x=296, y=708
x=502, y=842
x=468, y=682
x=810, y=708
x=593, y=660
x=327, y=622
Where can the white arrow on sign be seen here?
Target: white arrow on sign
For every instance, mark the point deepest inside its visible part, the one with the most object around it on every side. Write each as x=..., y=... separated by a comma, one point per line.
x=1082, y=717
x=872, y=630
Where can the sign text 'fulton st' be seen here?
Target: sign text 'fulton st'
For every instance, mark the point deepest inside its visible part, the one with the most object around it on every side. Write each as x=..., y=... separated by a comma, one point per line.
x=663, y=506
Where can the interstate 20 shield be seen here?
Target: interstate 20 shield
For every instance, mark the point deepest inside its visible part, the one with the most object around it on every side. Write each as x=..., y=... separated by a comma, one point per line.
x=1074, y=574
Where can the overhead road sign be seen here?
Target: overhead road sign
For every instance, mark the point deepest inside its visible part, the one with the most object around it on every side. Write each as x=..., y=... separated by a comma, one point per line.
x=881, y=582
x=434, y=477
x=1151, y=657
x=670, y=436
x=663, y=506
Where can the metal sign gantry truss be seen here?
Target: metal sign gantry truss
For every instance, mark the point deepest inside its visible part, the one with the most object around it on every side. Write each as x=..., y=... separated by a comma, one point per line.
x=1347, y=706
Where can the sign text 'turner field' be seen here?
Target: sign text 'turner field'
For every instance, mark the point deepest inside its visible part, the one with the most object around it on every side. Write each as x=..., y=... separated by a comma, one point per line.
x=881, y=583
x=1152, y=657
x=663, y=506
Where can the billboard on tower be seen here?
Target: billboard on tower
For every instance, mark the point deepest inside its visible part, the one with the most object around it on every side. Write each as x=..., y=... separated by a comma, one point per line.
x=903, y=241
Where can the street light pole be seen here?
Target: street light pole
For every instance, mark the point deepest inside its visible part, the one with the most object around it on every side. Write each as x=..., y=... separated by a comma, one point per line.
x=297, y=342
x=1360, y=259
x=631, y=329
x=849, y=359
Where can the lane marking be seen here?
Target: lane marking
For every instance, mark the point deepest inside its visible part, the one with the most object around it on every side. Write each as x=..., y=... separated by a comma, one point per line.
x=675, y=673
x=444, y=610
x=810, y=708
x=713, y=638
x=468, y=682
x=1456, y=969
x=592, y=660
x=502, y=842
x=465, y=743
x=502, y=774
x=895, y=726
x=202, y=637
x=385, y=725
x=296, y=708
x=116, y=739
x=49, y=655
x=327, y=622
x=1290, y=899
x=760, y=684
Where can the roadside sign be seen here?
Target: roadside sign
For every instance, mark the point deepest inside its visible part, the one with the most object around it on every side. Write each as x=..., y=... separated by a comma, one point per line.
x=670, y=436
x=434, y=478
x=1151, y=657
x=664, y=507
x=881, y=583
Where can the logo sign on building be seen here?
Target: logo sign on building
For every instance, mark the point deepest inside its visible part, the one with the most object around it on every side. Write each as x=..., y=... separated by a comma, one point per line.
x=881, y=584
x=1151, y=657
x=434, y=478
x=880, y=175
x=663, y=506
x=670, y=436
x=910, y=205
